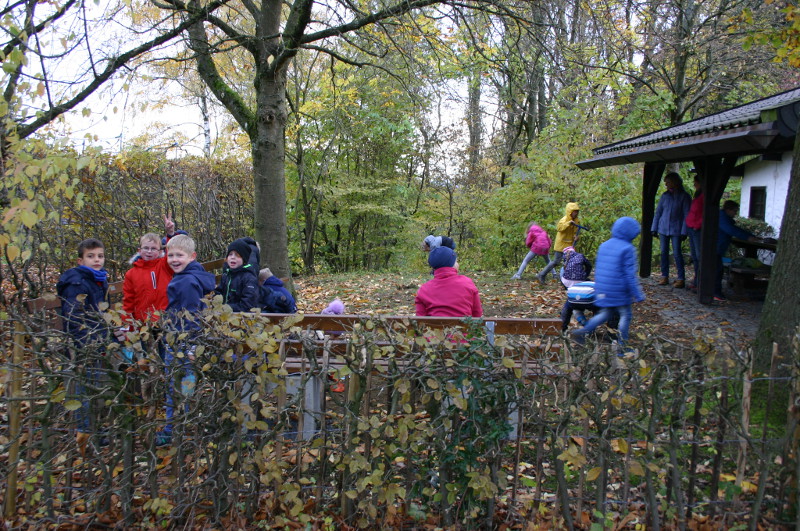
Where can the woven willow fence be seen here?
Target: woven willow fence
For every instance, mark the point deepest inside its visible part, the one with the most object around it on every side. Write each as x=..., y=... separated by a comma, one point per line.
x=393, y=427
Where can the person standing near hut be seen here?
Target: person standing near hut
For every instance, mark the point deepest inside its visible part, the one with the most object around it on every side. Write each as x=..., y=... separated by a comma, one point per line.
x=669, y=224
x=694, y=222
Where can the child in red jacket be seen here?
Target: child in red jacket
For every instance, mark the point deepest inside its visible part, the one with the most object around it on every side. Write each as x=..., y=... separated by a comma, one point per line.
x=447, y=294
x=144, y=290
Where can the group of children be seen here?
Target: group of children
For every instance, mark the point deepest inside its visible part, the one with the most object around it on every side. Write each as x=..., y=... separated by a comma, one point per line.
x=167, y=287
x=610, y=296
x=616, y=285
x=170, y=288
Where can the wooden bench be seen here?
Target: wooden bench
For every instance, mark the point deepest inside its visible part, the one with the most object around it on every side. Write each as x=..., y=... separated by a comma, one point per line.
x=294, y=353
x=742, y=278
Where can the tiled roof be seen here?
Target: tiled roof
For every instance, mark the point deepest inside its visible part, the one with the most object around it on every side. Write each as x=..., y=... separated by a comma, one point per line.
x=743, y=115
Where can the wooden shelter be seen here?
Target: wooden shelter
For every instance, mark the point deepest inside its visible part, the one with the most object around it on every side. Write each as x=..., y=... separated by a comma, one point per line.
x=717, y=145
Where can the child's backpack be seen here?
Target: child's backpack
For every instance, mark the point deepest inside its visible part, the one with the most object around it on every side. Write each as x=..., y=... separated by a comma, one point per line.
x=273, y=301
x=581, y=295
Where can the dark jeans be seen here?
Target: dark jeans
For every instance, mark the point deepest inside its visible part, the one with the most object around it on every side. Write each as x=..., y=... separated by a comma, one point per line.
x=694, y=248
x=718, y=279
x=676, y=252
x=557, y=257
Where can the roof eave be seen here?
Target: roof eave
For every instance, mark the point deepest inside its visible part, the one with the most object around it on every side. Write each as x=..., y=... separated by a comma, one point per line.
x=741, y=141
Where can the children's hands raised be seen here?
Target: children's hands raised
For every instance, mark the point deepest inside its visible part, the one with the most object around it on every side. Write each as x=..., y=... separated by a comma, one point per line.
x=169, y=225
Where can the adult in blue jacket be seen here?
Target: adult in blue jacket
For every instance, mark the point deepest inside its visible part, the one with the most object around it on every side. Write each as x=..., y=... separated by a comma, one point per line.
x=727, y=231
x=615, y=281
x=669, y=224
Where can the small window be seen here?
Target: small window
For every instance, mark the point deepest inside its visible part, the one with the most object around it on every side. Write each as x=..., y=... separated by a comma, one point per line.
x=758, y=202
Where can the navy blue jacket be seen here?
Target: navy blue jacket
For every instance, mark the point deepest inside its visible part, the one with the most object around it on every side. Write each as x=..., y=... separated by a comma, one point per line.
x=239, y=288
x=276, y=285
x=727, y=231
x=186, y=291
x=81, y=317
x=615, y=280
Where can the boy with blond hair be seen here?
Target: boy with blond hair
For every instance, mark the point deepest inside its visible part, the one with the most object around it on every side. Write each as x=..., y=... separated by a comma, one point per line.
x=185, y=292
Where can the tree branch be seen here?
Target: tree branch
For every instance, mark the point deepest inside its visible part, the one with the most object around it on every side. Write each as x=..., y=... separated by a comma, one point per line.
x=112, y=67
x=198, y=42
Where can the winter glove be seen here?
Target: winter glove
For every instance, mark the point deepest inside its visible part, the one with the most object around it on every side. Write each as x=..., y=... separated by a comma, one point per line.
x=655, y=234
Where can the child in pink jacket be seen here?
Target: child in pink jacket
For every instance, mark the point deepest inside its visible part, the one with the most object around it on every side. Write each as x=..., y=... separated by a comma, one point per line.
x=447, y=294
x=539, y=244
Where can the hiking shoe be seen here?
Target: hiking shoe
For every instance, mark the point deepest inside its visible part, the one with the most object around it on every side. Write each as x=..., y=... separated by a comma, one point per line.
x=664, y=281
x=516, y=277
x=680, y=284
x=720, y=298
x=540, y=279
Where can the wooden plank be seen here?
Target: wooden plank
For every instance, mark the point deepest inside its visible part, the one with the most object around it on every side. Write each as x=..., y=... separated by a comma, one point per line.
x=345, y=323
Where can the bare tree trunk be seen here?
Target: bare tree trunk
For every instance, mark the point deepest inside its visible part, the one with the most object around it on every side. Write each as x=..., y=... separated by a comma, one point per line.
x=206, y=124
x=781, y=313
x=268, y=151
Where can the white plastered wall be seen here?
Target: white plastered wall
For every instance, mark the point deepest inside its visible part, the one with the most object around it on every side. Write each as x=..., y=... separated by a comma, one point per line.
x=774, y=176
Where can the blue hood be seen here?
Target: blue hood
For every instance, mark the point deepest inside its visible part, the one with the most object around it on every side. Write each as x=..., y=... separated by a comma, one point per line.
x=626, y=228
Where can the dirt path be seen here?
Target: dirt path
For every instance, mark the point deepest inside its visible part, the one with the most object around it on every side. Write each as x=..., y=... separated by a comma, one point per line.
x=679, y=310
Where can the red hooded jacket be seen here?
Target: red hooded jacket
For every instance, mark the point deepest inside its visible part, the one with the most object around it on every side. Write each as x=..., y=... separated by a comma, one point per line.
x=144, y=290
x=449, y=294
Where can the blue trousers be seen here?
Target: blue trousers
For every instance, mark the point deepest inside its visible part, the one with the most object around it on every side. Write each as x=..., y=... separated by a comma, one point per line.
x=179, y=372
x=83, y=415
x=676, y=252
x=694, y=248
x=604, y=315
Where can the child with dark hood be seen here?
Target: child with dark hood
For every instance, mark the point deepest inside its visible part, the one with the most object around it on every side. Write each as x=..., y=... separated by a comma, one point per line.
x=239, y=283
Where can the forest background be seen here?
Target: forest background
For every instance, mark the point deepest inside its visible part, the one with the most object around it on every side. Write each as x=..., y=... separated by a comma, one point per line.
x=463, y=119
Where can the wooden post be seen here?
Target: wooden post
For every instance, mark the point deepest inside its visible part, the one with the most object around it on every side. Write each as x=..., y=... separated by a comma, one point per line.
x=15, y=392
x=747, y=391
x=520, y=421
x=755, y=511
x=651, y=179
x=323, y=452
x=281, y=403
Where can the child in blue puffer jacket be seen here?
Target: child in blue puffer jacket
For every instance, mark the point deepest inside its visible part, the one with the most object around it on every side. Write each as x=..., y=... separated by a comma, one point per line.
x=616, y=283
